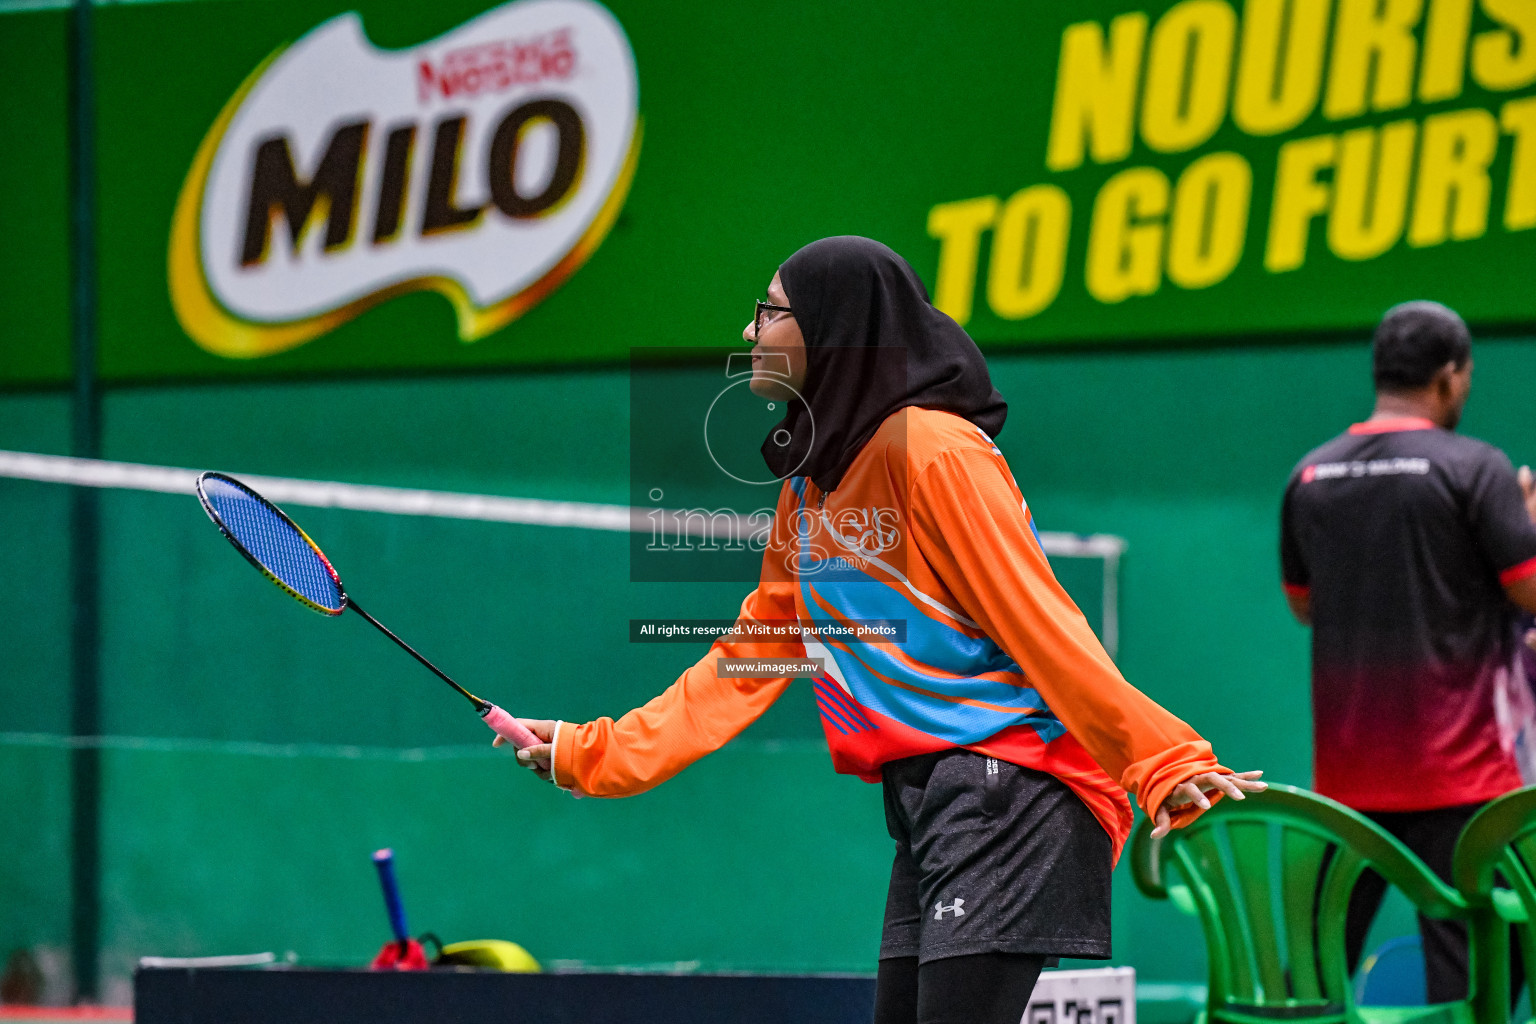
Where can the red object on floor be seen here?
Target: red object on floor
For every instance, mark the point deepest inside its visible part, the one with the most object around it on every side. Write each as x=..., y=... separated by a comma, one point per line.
x=389, y=958
x=18, y=1012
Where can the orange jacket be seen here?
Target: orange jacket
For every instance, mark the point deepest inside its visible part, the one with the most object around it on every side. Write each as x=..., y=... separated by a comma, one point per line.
x=926, y=531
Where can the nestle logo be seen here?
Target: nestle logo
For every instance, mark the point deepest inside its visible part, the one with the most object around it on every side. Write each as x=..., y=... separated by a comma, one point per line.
x=490, y=186
x=496, y=67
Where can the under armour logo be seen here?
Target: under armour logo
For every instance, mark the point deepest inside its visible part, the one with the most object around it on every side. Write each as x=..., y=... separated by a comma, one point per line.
x=939, y=909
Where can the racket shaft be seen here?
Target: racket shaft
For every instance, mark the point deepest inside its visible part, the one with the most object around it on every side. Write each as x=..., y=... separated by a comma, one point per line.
x=503, y=724
x=476, y=701
x=384, y=860
x=511, y=730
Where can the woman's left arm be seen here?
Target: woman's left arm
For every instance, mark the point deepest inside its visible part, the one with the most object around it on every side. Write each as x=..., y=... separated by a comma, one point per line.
x=968, y=520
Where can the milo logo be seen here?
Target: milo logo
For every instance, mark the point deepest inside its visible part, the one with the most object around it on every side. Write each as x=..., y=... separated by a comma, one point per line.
x=485, y=165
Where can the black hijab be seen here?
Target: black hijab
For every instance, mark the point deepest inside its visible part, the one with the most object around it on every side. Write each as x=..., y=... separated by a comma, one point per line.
x=857, y=303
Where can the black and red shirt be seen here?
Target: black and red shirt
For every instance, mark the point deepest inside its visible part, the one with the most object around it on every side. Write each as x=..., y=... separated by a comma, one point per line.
x=1404, y=535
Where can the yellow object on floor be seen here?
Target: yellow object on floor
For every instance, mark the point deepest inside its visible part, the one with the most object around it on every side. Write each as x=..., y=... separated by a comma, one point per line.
x=497, y=954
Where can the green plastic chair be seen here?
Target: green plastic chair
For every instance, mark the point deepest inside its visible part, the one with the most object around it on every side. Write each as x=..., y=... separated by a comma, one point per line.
x=1270, y=879
x=1500, y=838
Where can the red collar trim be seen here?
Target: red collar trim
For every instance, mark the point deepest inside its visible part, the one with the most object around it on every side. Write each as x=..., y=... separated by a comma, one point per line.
x=1393, y=425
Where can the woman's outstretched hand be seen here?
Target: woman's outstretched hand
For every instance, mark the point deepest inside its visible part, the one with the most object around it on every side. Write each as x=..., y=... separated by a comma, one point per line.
x=1193, y=792
x=529, y=757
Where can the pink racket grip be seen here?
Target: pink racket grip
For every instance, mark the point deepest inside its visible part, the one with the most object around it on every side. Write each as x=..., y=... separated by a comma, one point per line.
x=511, y=730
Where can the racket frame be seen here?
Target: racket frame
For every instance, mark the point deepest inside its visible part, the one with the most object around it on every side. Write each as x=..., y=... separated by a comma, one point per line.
x=218, y=521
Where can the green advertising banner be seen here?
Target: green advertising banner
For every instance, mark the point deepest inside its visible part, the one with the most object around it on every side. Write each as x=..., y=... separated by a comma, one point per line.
x=292, y=187
x=34, y=199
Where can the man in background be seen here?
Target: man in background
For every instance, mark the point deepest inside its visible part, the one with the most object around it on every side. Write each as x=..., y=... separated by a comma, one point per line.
x=1410, y=550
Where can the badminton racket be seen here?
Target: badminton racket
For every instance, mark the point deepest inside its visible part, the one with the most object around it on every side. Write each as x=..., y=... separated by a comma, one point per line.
x=274, y=544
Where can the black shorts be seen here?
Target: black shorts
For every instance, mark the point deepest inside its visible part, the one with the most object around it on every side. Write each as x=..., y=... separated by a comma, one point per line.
x=992, y=858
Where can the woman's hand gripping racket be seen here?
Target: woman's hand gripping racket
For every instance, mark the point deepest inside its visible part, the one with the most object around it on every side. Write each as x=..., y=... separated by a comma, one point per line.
x=271, y=542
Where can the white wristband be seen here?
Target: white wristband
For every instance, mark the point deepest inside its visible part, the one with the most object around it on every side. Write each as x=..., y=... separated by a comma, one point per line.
x=554, y=746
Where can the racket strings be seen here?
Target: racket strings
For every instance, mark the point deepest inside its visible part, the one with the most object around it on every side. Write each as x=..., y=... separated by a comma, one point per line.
x=279, y=547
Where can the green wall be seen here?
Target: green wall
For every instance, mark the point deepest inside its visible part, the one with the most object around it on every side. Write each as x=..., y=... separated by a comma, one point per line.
x=34, y=681
x=274, y=746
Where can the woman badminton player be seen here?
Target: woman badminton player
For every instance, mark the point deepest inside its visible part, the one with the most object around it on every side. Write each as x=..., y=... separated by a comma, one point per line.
x=1005, y=738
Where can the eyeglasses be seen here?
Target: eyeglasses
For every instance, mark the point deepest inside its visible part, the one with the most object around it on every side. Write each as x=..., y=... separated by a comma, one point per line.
x=758, y=318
